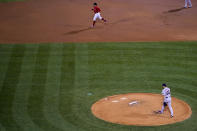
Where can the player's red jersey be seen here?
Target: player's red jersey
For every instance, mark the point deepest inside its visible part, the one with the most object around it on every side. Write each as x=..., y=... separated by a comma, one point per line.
x=97, y=9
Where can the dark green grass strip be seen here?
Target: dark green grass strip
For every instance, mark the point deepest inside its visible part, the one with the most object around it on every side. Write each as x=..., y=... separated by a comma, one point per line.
x=8, y=88
x=80, y=90
x=20, y=112
x=67, y=85
x=35, y=107
x=52, y=90
x=5, y=1
x=5, y=54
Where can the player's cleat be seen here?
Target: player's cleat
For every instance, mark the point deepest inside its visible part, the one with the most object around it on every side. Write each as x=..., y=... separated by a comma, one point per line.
x=190, y=7
x=171, y=116
x=157, y=112
x=185, y=7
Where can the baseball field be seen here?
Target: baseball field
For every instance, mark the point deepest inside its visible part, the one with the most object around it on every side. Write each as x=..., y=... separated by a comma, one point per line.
x=52, y=87
x=53, y=69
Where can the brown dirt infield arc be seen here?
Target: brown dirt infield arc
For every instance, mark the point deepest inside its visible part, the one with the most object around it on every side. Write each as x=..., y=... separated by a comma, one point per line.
x=140, y=111
x=35, y=21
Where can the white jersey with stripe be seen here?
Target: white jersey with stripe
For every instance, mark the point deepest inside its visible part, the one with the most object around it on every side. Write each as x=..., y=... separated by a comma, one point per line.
x=166, y=93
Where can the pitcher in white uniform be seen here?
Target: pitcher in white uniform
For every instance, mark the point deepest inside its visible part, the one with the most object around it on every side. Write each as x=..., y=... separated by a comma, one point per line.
x=188, y=2
x=167, y=99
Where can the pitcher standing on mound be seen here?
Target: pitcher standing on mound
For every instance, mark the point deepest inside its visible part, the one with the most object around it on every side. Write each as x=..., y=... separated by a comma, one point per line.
x=167, y=99
x=97, y=14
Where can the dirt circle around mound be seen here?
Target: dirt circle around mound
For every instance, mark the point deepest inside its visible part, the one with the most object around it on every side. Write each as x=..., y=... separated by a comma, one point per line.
x=138, y=109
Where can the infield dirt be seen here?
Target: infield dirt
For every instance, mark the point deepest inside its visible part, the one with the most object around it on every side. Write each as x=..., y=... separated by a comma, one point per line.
x=35, y=21
x=140, y=111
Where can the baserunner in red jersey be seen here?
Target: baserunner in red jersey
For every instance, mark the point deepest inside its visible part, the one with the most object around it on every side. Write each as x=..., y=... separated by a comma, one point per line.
x=97, y=14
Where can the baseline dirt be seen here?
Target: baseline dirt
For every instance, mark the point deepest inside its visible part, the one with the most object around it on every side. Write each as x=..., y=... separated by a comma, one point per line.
x=35, y=21
x=138, y=109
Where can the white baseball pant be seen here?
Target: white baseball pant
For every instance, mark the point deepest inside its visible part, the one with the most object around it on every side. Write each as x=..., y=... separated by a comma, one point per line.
x=168, y=102
x=97, y=16
x=188, y=2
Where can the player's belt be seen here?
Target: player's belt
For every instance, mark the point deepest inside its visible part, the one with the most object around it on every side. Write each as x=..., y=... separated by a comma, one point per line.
x=166, y=97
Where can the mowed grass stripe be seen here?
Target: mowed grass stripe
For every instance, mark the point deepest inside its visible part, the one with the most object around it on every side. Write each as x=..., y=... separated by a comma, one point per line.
x=8, y=89
x=5, y=54
x=81, y=89
x=67, y=84
x=2, y=128
x=4, y=1
x=180, y=78
x=36, y=98
x=170, y=47
x=139, y=63
x=20, y=110
x=52, y=90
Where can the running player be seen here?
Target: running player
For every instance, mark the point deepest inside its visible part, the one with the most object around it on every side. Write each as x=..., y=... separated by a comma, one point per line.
x=97, y=14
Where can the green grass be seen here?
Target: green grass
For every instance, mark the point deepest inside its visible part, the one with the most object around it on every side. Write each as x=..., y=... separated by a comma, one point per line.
x=4, y=1
x=45, y=87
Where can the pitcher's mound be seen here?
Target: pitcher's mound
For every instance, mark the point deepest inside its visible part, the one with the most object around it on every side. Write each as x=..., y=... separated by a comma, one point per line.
x=138, y=109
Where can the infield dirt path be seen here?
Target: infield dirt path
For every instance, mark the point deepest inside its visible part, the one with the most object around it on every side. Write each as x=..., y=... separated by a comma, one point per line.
x=37, y=21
